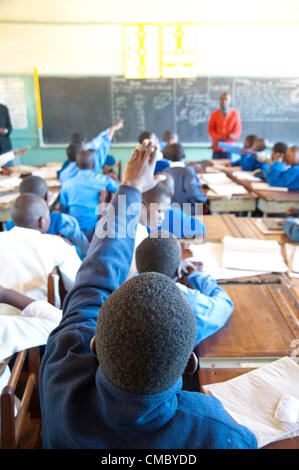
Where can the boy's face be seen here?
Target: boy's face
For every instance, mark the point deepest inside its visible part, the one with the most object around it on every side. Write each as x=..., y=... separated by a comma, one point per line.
x=155, y=212
x=292, y=156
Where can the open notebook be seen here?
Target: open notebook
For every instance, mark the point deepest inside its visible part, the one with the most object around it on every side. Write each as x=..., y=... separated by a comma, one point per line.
x=6, y=157
x=252, y=254
x=265, y=400
x=292, y=256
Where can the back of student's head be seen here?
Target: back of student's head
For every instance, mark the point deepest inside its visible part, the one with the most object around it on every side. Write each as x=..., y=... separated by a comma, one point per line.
x=85, y=159
x=280, y=147
x=78, y=138
x=258, y=144
x=30, y=211
x=72, y=150
x=174, y=152
x=145, y=135
x=160, y=252
x=34, y=184
x=145, y=334
x=248, y=141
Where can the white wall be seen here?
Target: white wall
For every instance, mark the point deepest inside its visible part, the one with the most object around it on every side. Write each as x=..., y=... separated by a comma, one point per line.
x=235, y=37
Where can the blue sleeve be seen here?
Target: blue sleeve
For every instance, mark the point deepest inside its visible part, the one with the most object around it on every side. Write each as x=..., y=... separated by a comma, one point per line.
x=101, y=145
x=236, y=162
x=211, y=305
x=230, y=147
x=291, y=228
x=9, y=225
x=63, y=201
x=181, y=224
x=69, y=228
x=277, y=175
x=192, y=186
x=248, y=162
x=112, y=185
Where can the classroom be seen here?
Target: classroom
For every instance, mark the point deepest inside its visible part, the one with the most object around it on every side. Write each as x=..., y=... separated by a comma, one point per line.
x=149, y=226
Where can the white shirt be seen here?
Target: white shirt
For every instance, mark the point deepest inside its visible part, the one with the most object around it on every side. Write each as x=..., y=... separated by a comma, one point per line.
x=141, y=234
x=29, y=329
x=27, y=257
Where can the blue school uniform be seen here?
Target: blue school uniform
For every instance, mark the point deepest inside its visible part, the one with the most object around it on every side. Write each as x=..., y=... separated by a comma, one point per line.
x=281, y=175
x=66, y=226
x=88, y=410
x=181, y=224
x=101, y=145
x=79, y=197
x=161, y=165
x=248, y=162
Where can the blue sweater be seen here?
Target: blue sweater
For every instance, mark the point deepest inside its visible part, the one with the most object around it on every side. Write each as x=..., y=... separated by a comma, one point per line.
x=282, y=176
x=81, y=409
x=291, y=227
x=68, y=227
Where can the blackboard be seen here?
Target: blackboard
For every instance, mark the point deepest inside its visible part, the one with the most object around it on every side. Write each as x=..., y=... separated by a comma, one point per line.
x=269, y=107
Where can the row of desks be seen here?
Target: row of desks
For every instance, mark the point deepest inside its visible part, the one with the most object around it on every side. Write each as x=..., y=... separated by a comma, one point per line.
x=264, y=325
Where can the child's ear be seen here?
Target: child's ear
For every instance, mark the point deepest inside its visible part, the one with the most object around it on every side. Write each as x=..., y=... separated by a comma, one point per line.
x=93, y=345
x=192, y=364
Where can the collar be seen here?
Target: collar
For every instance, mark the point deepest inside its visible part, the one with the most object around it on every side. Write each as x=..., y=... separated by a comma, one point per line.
x=177, y=164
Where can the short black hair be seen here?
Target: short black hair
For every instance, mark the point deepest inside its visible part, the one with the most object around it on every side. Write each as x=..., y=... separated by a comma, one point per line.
x=160, y=190
x=85, y=159
x=174, y=152
x=34, y=184
x=145, y=334
x=144, y=135
x=160, y=252
x=27, y=209
x=280, y=147
x=250, y=138
x=78, y=138
x=72, y=151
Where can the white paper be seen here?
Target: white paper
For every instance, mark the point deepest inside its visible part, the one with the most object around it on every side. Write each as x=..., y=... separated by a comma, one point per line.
x=215, y=178
x=9, y=182
x=6, y=157
x=252, y=254
x=228, y=189
x=251, y=399
x=246, y=175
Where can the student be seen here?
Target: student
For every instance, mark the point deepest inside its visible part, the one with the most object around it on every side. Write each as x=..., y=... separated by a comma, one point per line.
x=100, y=144
x=72, y=151
x=238, y=149
x=162, y=253
x=281, y=176
x=187, y=185
x=109, y=166
x=169, y=137
x=291, y=224
x=29, y=254
x=80, y=195
x=278, y=153
x=162, y=163
x=111, y=373
x=61, y=224
x=254, y=158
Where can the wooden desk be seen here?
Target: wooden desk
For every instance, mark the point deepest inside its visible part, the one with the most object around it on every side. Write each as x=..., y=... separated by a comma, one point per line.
x=262, y=327
x=210, y=376
x=219, y=226
x=237, y=203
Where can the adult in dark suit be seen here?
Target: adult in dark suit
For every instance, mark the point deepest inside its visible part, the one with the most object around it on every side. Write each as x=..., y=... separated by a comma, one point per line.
x=5, y=129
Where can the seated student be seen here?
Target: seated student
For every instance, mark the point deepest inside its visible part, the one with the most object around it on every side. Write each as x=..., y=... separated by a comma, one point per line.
x=72, y=151
x=61, y=224
x=111, y=375
x=237, y=149
x=253, y=158
x=291, y=224
x=278, y=153
x=176, y=221
x=100, y=144
x=211, y=305
x=109, y=166
x=187, y=185
x=80, y=195
x=282, y=176
x=169, y=137
x=161, y=162
x=29, y=254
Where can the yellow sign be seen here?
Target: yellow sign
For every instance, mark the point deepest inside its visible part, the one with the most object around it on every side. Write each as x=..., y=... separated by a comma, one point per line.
x=160, y=51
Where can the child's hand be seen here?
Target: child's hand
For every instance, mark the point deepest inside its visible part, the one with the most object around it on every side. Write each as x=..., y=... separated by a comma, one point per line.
x=277, y=157
x=291, y=211
x=139, y=171
x=3, y=291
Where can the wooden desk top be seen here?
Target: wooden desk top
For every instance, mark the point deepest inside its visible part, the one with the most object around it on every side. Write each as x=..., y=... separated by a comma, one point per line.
x=210, y=376
x=264, y=323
